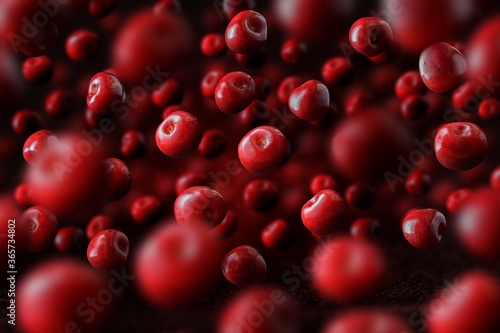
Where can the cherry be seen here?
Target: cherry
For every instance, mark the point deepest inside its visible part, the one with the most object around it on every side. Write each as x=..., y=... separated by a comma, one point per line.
x=310, y=101
x=105, y=94
x=82, y=45
x=26, y=122
x=418, y=183
x=59, y=103
x=348, y=269
x=212, y=144
x=256, y=114
x=213, y=45
x=442, y=67
x=253, y=59
x=227, y=227
x=324, y=213
x=179, y=134
x=167, y=93
x=235, y=92
x=464, y=97
x=97, y=224
x=370, y=36
x=101, y=8
x=365, y=228
x=489, y=109
x=200, y=207
x=276, y=235
x=457, y=199
x=495, y=179
x=472, y=309
x=357, y=102
x=287, y=85
x=95, y=120
x=261, y=195
x=246, y=32
x=117, y=180
x=367, y=321
x=322, y=182
x=262, y=87
x=133, y=144
x=190, y=179
x=410, y=83
x=244, y=266
x=414, y=107
x=262, y=149
x=171, y=109
x=23, y=194
x=232, y=7
x=337, y=71
x=167, y=6
x=37, y=70
x=360, y=195
x=424, y=228
x=39, y=147
x=293, y=51
x=39, y=226
x=460, y=146
x=108, y=250
x=146, y=209
x=69, y=239
x=210, y=81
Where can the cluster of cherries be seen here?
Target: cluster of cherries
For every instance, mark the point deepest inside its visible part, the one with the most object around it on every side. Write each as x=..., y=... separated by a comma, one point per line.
x=241, y=173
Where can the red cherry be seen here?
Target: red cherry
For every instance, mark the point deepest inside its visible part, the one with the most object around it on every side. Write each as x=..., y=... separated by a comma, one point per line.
x=59, y=103
x=179, y=134
x=495, y=179
x=133, y=144
x=324, y=213
x=38, y=70
x=39, y=226
x=244, y=266
x=167, y=93
x=348, y=269
x=360, y=195
x=227, y=227
x=108, y=250
x=210, y=81
x=26, y=122
x=357, y=102
x=38, y=148
x=410, y=83
x=246, y=32
x=261, y=195
x=69, y=239
x=167, y=6
x=262, y=149
x=117, y=180
x=146, y=209
x=82, y=45
x=310, y=101
x=23, y=194
x=171, y=109
x=101, y=8
x=337, y=71
x=105, y=94
x=418, y=183
x=457, y=199
x=464, y=97
x=256, y=114
x=370, y=36
x=489, y=109
x=287, y=85
x=96, y=120
x=424, y=228
x=442, y=67
x=365, y=228
x=212, y=144
x=322, y=182
x=97, y=224
x=200, y=207
x=276, y=235
x=414, y=107
x=189, y=179
x=232, y=7
x=262, y=87
x=235, y=92
x=460, y=146
x=293, y=51
x=213, y=45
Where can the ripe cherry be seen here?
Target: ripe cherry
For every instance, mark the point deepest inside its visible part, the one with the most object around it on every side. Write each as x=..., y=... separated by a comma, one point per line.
x=38, y=69
x=244, y=266
x=235, y=92
x=424, y=228
x=457, y=199
x=460, y=146
x=133, y=144
x=70, y=239
x=108, y=250
x=324, y=213
x=97, y=224
x=105, y=94
x=360, y=195
x=322, y=182
x=337, y=71
x=213, y=45
x=179, y=134
x=117, y=180
x=287, y=85
x=59, y=103
x=39, y=226
x=370, y=36
x=146, y=209
x=442, y=67
x=414, y=107
x=293, y=51
x=101, y=8
x=26, y=122
x=464, y=97
x=210, y=81
x=410, y=83
x=489, y=109
x=200, y=207
x=167, y=93
x=277, y=235
x=227, y=227
x=39, y=147
x=23, y=194
x=495, y=179
x=261, y=195
x=246, y=32
x=232, y=7
x=256, y=114
x=418, y=183
x=310, y=101
x=212, y=144
x=82, y=45
x=262, y=149
x=190, y=179
x=365, y=228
